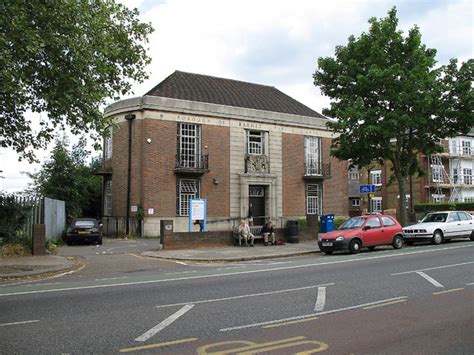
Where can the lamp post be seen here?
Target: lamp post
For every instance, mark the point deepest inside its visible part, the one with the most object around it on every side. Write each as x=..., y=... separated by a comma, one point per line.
x=129, y=117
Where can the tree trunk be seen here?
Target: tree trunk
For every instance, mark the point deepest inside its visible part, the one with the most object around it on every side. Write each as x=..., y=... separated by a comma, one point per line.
x=402, y=190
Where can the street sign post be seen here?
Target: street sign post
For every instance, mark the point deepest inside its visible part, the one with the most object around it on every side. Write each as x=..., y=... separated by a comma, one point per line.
x=367, y=189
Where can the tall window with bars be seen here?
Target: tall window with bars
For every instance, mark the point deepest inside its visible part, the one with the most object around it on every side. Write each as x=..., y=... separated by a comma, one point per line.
x=314, y=199
x=255, y=142
x=186, y=190
x=312, y=155
x=108, y=197
x=188, y=145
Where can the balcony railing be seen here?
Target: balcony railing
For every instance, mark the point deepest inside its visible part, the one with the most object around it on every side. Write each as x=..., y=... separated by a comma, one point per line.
x=192, y=164
x=317, y=170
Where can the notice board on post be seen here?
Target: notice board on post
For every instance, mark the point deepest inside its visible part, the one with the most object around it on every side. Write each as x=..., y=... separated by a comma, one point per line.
x=197, y=212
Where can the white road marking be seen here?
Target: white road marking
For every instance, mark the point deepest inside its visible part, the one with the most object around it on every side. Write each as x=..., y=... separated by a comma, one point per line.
x=180, y=272
x=429, y=279
x=164, y=324
x=321, y=299
x=231, y=268
x=432, y=268
x=17, y=323
x=112, y=278
x=45, y=284
x=397, y=254
x=243, y=296
x=310, y=315
x=469, y=284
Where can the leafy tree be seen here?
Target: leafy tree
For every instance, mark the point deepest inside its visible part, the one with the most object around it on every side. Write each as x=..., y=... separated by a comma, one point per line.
x=67, y=176
x=390, y=101
x=65, y=58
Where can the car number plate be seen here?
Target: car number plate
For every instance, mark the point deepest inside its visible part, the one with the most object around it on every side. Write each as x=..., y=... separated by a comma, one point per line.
x=84, y=232
x=327, y=244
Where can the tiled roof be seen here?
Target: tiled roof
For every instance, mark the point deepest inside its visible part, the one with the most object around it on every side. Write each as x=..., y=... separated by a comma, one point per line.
x=209, y=89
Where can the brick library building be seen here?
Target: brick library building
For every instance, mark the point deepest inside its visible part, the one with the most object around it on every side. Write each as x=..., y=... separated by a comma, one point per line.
x=248, y=149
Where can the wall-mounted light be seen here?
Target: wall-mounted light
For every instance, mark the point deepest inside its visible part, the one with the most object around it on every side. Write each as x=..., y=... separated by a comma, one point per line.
x=148, y=140
x=216, y=181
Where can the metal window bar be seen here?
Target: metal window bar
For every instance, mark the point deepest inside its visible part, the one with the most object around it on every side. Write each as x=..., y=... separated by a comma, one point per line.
x=188, y=146
x=313, y=199
x=255, y=143
x=312, y=146
x=188, y=189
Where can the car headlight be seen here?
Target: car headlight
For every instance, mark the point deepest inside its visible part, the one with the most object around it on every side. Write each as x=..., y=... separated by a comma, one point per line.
x=338, y=239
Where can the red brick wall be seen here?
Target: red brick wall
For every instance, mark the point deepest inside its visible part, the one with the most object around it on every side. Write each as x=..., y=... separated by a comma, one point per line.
x=293, y=170
x=217, y=140
x=120, y=167
x=335, y=189
x=159, y=159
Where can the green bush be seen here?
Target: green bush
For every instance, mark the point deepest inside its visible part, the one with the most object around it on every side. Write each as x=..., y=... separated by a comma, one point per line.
x=455, y=206
x=12, y=218
x=338, y=221
x=302, y=222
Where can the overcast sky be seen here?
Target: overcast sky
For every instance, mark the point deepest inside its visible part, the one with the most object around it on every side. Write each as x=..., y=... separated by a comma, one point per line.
x=272, y=42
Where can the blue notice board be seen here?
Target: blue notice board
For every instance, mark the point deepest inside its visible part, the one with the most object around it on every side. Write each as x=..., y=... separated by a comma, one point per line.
x=367, y=189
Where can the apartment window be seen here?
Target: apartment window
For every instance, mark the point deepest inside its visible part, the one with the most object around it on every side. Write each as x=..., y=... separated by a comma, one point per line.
x=436, y=173
x=188, y=145
x=467, y=176
x=468, y=199
x=356, y=202
x=108, y=143
x=455, y=175
x=187, y=189
x=255, y=142
x=466, y=147
x=376, y=204
x=376, y=177
x=312, y=153
x=314, y=198
x=108, y=197
x=436, y=198
x=354, y=175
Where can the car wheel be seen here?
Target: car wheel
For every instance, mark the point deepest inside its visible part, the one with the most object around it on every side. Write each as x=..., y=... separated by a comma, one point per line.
x=354, y=246
x=328, y=252
x=99, y=242
x=68, y=242
x=437, y=238
x=472, y=236
x=372, y=248
x=397, y=242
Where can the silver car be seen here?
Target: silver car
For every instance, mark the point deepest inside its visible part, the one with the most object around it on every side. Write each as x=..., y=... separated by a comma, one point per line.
x=440, y=226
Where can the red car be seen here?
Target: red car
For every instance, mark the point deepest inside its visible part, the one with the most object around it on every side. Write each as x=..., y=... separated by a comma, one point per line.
x=363, y=231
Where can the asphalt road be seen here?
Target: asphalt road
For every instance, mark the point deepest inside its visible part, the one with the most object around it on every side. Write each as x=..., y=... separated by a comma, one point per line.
x=417, y=300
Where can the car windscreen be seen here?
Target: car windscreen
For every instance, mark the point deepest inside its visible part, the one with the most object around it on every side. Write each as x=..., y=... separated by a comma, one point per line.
x=84, y=224
x=435, y=217
x=353, y=223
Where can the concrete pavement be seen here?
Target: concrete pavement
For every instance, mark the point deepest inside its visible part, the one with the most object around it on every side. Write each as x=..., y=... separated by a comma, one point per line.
x=40, y=266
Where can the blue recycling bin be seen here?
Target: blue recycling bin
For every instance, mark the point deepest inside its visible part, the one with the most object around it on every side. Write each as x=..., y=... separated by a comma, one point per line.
x=326, y=223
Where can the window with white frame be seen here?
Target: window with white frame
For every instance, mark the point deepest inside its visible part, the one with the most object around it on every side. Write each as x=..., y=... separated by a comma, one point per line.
x=108, y=197
x=376, y=204
x=437, y=198
x=188, y=145
x=466, y=147
x=468, y=199
x=314, y=198
x=436, y=173
x=187, y=189
x=467, y=176
x=356, y=202
x=312, y=155
x=376, y=177
x=255, y=142
x=354, y=175
x=108, y=143
x=455, y=176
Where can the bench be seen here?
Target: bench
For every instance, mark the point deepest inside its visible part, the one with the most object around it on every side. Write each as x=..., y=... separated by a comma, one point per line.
x=255, y=230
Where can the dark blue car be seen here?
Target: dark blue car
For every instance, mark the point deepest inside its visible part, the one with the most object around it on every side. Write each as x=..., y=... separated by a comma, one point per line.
x=83, y=230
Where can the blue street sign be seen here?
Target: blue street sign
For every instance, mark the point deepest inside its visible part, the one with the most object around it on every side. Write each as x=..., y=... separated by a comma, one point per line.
x=367, y=189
